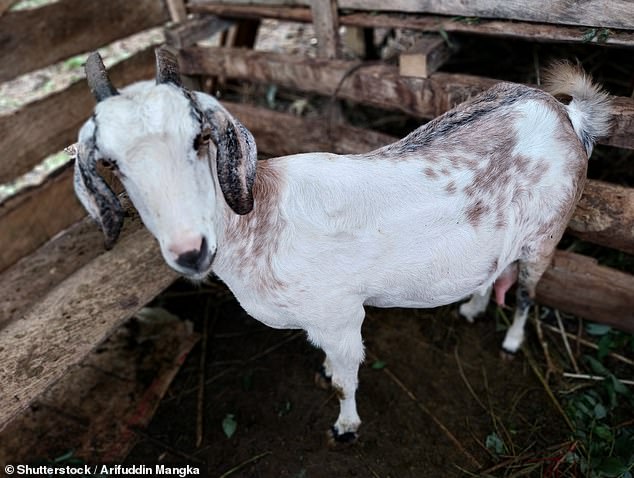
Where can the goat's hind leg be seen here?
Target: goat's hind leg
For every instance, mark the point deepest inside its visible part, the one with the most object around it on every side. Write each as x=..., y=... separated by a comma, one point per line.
x=529, y=274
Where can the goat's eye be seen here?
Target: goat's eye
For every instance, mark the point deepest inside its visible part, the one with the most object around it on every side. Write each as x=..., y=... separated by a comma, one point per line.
x=202, y=139
x=109, y=164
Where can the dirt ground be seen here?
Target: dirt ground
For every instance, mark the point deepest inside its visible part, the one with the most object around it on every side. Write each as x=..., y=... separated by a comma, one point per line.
x=432, y=389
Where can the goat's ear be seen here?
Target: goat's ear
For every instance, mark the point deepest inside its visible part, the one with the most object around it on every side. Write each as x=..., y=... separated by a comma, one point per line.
x=236, y=159
x=95, y=194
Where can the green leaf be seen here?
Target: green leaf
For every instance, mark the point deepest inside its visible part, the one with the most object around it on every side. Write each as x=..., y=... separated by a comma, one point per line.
x=445, y=36
x=603, y=35
x=603, y=433
x=247, y=381
x=599, y=411
x=494, y=444
x=603, y=347
x=624, y=445
x=378, y=365
x=229, y=425
x=597, y=367
x=619, y=387
x=597, y=329
x=75, y=62
x=611, y=466
x=588, y=35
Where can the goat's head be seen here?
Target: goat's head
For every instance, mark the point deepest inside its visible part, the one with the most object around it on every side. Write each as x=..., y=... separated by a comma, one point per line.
x=172, y=149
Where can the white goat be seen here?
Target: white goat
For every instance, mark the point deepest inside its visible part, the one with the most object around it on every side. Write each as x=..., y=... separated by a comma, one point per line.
x=306, y=241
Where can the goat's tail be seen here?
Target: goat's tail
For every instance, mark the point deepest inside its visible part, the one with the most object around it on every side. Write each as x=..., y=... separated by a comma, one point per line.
x=589, y=110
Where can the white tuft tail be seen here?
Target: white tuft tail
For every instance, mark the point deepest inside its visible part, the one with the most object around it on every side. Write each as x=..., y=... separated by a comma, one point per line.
x=589, y=111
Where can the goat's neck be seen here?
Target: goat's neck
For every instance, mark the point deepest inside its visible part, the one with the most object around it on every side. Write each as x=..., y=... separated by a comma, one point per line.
x=254, y=235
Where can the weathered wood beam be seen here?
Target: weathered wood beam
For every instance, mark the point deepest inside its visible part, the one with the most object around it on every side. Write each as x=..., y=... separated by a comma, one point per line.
x=577, y=284
x=272, y=130
x=177, y=10
x=605, y=214
x=73, y=27
x=35, y=275
x=75, y=316
x=31, y=218
x=48, y=125
x=194, y=30
x=326, y=23
x=377, y=85
x=5, y=5
x=538, y=32
x=594, y=13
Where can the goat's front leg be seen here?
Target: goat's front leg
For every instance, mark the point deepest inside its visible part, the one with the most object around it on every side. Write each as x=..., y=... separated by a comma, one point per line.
x=344, y=353
x=476, y=305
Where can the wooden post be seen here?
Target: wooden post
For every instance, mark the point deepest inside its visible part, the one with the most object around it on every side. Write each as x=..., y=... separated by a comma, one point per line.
x=425, y=57
x=177, y=10
x=326, y=23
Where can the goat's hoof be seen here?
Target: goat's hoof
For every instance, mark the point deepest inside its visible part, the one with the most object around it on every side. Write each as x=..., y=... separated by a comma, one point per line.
x=322, y=380
x=507, y=355
x=335, y=438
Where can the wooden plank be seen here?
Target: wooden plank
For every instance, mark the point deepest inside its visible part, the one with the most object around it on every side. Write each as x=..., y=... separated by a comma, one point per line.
x=62, y=328
x=48, y=125
x=595, y=13
x=194, y=30
x=377, y=85
x=5, y=5
x=72, y=26
x=177, y=11
x=578, y=285
x=538, y=32
x=32, y=218
x=605, y=215
x=95, y=407
x=326, y=23
x=425, y=57
x=35, y=275
x=272, y=130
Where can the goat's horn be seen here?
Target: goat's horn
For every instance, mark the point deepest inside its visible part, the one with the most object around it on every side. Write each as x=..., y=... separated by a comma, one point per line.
x=167, y=67
x=97, y=77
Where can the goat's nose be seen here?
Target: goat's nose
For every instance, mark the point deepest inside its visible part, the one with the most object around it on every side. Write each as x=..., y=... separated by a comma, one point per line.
x=191, y=253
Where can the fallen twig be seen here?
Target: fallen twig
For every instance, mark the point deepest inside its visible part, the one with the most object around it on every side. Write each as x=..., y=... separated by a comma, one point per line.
x=565, y=339
x=243, y=464
x=544, y=382
x=585, y=376
x=592, y=345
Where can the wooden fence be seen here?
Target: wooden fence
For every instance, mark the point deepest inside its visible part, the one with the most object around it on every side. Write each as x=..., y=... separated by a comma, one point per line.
x=62, y=294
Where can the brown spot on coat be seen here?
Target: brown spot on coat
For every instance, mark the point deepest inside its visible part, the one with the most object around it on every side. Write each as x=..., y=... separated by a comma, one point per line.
x=253, y=237
x=430, y=173
x=476, y=211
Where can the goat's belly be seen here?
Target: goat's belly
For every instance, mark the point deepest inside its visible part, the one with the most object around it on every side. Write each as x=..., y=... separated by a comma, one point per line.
x=422, y=296
x=409, y=302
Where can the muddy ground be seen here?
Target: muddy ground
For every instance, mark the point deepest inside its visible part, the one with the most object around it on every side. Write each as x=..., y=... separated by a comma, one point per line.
x=432, y=389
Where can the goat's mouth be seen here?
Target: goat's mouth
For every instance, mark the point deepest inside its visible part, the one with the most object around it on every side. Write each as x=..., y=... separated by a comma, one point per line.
x=196, y=274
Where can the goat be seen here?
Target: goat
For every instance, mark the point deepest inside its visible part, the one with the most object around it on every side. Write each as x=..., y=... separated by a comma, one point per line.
x=466, y=203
